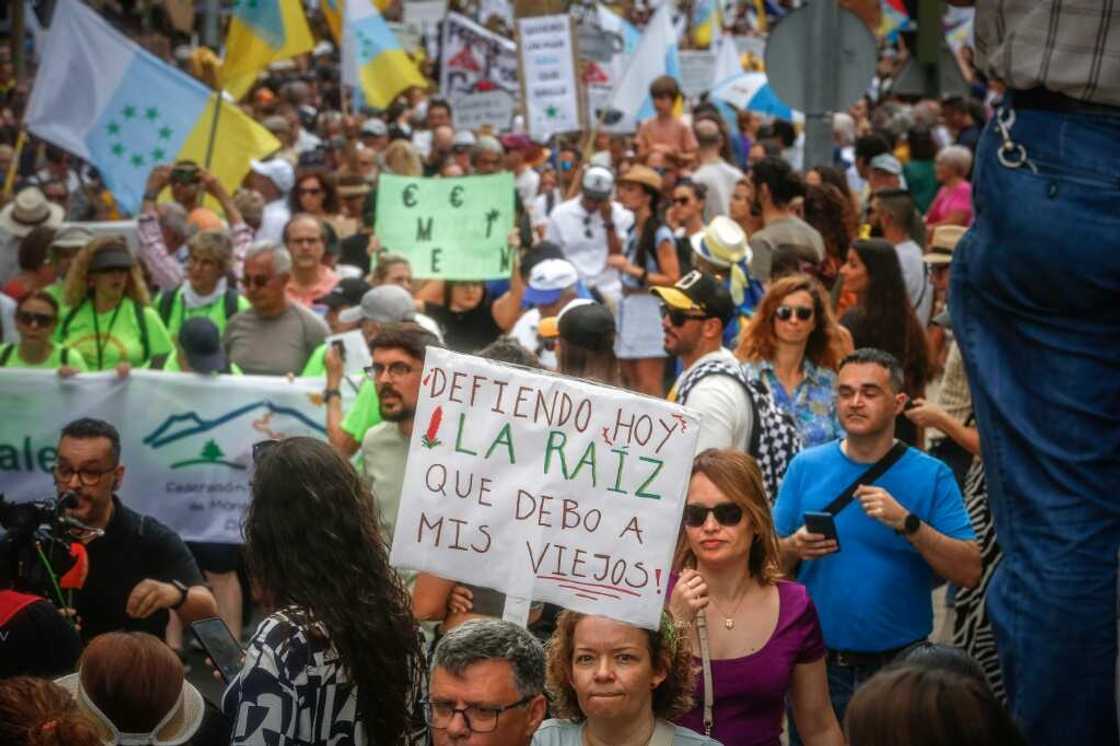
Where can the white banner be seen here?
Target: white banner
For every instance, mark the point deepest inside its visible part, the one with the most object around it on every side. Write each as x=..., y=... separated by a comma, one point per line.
x=544, y=487
x=186, y=440
x=548, y=75
x=475, y=61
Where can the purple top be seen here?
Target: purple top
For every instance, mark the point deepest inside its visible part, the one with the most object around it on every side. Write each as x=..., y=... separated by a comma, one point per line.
x=750, y=692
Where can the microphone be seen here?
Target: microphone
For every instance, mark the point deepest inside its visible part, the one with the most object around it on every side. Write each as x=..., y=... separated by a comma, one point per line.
x=67, y=500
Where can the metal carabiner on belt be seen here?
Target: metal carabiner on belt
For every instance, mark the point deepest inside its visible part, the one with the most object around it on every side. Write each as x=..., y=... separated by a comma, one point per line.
x=1011, y=154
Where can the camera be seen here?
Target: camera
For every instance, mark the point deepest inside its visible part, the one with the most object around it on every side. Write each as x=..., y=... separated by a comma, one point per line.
x=35, y=549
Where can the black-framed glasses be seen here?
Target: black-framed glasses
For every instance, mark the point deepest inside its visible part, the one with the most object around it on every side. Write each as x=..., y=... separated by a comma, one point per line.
x=727, y=514
x=678, y=317
x=30, y=318
x=395, y=370
x=785, y=313
x=88, y=477
x=262, y=447
x=480, y=718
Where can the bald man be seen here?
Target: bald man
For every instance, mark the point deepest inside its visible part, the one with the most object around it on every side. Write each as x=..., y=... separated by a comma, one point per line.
x=719, y=176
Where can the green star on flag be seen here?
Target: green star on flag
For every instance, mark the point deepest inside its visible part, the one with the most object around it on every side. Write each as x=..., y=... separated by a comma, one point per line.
x=165, y=133
x=158, y=155
x=114, y=128
x=151, y=113
x=129, y=112
x=137, y=160
x=551, y=112
x=117, y=149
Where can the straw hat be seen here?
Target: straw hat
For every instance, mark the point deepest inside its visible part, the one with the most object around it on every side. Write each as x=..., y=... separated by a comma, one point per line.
x=29, y=210
x=942, y=243
x=643, y=175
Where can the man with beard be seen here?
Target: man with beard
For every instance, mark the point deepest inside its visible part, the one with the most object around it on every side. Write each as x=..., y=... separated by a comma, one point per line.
x=774, y=186
x=398, y=362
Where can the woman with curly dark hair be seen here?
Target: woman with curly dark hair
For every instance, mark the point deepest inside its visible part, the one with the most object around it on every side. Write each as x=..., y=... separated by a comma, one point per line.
x=794, y=345
x=614, y=684
x=830, y=212
x=315, y=193
x=884, y=318
x=338, y=659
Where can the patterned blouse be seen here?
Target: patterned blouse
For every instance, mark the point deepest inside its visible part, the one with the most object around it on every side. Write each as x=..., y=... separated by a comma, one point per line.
x=812, y=404
x=292, y=689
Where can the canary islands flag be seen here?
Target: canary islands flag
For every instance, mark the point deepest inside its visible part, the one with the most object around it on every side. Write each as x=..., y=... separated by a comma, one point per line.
x=707, y=20
x=261, y=32
x=107, y=101
x=372, y=59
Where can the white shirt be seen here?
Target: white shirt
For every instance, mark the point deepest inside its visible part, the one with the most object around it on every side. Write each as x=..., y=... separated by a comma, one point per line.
x=724, y=407
x=527, y=183
x=273, y=219
x=539, y=206
x=583, y=239
x=916, y=278
x=8, y=319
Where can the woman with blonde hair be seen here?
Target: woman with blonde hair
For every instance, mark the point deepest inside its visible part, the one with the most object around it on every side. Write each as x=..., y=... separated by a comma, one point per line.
x=793, y=345
x=614, y=684
x=108, y=318
x=759, y=636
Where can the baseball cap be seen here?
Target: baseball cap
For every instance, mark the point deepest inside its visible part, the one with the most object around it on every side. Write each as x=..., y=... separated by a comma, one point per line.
x=384, y=304
x=348, y=292
x=548, y=280
x=278, y=170
x=598, y=182
x=549, y=327
x=375, y=128
x=589, y=325
x=698, y=292
x=201, y=343
x=888, y=163
x=111, y=257
x=942, y=243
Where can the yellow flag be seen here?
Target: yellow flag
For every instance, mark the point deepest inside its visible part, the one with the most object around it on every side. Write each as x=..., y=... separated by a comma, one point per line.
x=237, y=139
x=261, y=32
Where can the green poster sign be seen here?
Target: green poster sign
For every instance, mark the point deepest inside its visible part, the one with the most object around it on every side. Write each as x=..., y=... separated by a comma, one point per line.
x=454, y=229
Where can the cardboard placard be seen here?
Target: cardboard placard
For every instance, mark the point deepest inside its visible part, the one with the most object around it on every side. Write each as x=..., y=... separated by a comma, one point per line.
x=549, y=85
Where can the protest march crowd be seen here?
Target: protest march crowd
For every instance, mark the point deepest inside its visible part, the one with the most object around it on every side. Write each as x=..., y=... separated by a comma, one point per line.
x=897, y=525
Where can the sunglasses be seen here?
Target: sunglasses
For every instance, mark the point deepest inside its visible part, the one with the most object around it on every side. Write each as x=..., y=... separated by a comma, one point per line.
x=30, y=318
x=727, y=514
x=677, y=317
x=785, y=313
x=258, y=281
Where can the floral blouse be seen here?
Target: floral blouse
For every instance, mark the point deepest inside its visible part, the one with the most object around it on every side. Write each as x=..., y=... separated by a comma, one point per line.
x=812, y=404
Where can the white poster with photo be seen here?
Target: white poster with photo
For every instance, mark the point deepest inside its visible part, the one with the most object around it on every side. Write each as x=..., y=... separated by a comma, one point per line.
x=474, y=61
x=548, y=75
x=544, y=487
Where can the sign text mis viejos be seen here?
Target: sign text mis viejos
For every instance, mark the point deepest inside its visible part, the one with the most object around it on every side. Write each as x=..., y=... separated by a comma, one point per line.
x=544, y=487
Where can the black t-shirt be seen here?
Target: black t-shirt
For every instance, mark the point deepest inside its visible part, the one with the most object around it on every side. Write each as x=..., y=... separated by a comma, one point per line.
x=134, y=547
x=466, y=331
x=35, y=639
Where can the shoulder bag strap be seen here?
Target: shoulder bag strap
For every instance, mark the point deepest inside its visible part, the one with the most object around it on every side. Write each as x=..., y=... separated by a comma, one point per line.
x=878, y=469
x=706, y=660
x=231, y=297
x=167, y=303
x=6, y=354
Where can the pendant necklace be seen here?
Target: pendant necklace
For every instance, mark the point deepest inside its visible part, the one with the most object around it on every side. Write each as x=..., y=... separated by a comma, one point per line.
x=728, y=621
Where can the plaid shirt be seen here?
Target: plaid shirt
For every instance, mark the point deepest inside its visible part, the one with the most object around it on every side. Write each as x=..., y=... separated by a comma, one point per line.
x=1067, y=46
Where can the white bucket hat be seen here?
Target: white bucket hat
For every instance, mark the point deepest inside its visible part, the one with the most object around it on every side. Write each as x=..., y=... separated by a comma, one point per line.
x=29, y=210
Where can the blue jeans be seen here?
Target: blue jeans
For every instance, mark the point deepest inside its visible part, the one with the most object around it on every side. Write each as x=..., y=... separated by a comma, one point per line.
x=842, y=684
x=1035, y=299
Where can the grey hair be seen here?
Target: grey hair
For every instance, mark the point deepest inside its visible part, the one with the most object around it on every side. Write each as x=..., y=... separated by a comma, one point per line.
x=481, y=640
x=281, y=257
x=874, y=356
x=844, y=127
x=173, y=217
x=957, y=157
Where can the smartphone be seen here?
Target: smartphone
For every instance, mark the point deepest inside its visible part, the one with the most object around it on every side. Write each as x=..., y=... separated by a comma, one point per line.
x=824, y=524
x=340, y=348
x=220, y=646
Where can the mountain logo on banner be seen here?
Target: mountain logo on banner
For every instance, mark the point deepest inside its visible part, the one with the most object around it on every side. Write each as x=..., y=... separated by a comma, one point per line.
x=139, y=136
x=211, y=455
x=264, y=17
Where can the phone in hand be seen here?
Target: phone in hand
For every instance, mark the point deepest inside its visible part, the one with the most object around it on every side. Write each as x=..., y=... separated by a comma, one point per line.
x=220, y=646
x=822, y=523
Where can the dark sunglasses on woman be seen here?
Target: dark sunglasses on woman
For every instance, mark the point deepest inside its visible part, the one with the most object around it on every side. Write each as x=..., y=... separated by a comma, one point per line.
x=785, y=313
x=30, y=318
x=727, y=514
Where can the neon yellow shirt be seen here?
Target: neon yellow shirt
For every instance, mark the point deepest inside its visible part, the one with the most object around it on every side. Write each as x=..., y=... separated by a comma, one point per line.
x=105, y=339
x=54, y=360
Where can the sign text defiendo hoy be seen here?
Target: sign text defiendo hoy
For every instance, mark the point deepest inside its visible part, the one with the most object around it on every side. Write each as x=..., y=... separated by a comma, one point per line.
x=544, y=487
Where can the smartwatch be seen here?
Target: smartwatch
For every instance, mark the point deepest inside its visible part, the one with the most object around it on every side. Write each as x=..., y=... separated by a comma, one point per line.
x=911, y=525
x=182, y=589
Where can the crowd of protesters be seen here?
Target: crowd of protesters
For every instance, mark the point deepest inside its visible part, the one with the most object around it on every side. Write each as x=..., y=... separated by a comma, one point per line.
x=801, y=308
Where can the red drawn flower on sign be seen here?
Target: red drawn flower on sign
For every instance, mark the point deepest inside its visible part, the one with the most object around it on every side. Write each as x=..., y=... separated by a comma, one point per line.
x=429, y=439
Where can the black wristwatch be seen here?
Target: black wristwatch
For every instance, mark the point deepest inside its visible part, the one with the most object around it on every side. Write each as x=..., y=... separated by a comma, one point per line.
x=182, y=589
x=911, y=525
x=329, y=394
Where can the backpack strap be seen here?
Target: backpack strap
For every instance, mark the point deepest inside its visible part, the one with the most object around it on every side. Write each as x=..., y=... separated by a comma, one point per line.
x=878, y=469
x=6, y=354
x=65, y=355
x=230, y=299
x=167, y=304
x=70, y=318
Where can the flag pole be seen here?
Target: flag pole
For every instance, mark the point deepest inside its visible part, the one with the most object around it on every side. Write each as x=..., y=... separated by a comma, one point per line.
x=10, y=176
x=213, y=128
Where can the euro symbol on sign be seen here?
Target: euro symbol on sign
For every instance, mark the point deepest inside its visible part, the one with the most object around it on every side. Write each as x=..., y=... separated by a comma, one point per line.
x=457, y=197
x=409, y=195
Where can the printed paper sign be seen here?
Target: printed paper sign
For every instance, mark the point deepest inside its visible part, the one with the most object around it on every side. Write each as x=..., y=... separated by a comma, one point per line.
x=488, y=108
x=548, y=75
x=453, y=229
x=475, y=60
x=355, y=351
x=544, y=487
x=698, y=67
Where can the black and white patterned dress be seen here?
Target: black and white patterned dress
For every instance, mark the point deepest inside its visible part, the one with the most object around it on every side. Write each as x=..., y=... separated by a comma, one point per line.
x=292, y=689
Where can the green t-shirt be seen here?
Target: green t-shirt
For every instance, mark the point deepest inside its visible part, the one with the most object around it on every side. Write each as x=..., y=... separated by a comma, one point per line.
x=315, y=367
x=365, y=413
x=115, y=334
x=178, y=313
x=13, y=359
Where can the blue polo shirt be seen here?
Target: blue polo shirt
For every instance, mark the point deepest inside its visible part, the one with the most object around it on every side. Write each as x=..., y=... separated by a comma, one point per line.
x=874, y=594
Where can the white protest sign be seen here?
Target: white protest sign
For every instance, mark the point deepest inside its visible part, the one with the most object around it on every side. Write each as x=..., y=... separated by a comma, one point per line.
x=186, y=439
x=548, y=75
x=355, y=351
x=544, y=487
x=424, y=13
x=697, y=69
x=475, y=60
x=493, y=108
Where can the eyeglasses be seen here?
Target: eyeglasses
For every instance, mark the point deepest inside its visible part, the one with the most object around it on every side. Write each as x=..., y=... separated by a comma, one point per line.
x=677, y=317
x=261, y=447
x=395, y=370
x=88, y=477
x=30, y=318
x=258, y=281
x=727, y=514
x=587, y=227
x=785, y=313
x=480, y=718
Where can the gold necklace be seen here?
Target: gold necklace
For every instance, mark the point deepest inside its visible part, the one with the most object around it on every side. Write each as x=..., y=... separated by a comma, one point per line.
x=728, y=621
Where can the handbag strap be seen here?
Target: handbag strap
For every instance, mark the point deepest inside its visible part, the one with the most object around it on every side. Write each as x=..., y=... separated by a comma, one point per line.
x=706, y=660
x=878, y=469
